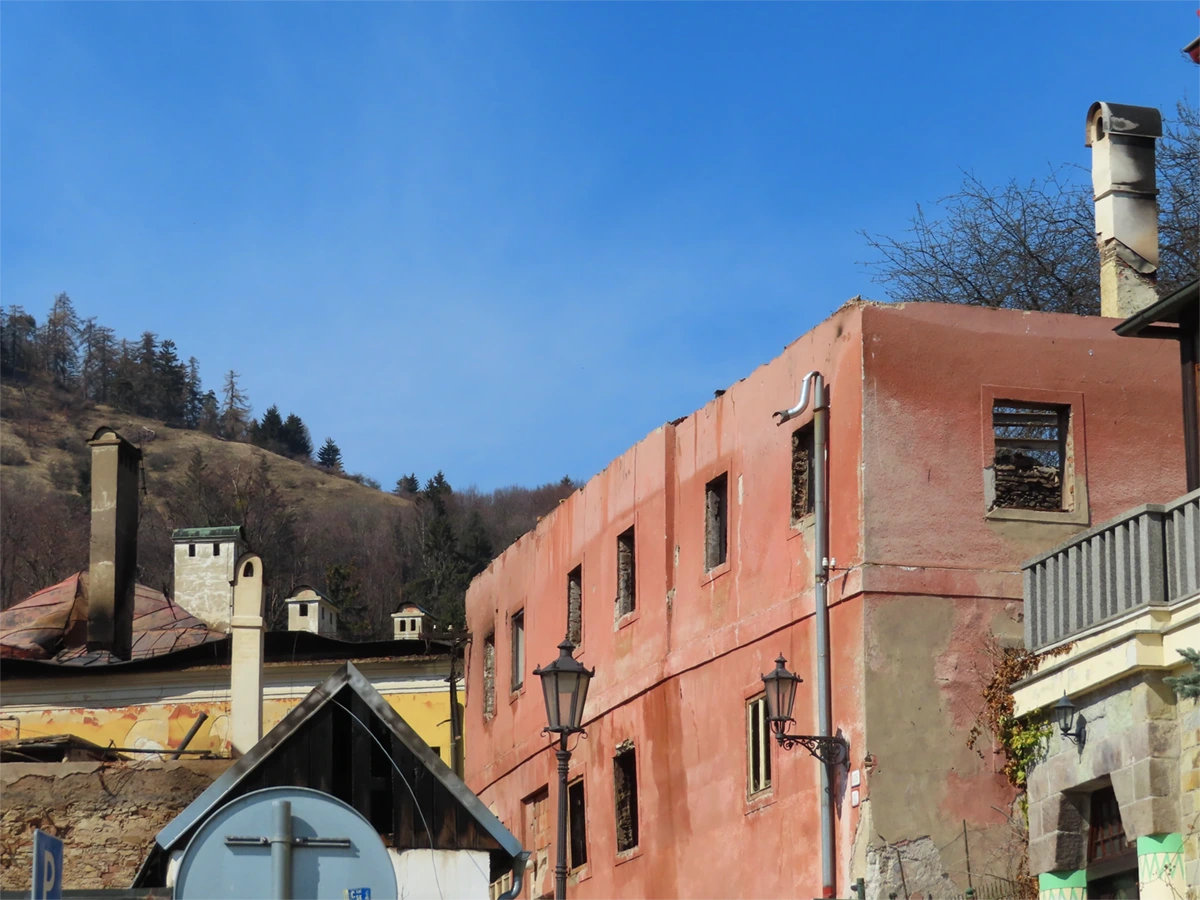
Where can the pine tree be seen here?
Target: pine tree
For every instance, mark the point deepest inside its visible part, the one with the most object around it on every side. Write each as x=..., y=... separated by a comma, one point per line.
x=1187, y=685
x=477, y=549
x=209, y=420
x=268, y=432
x=408, y=485
x=437, y=493
x=145, y=379
x=18, y=343
x=172, y=385
x=235, y=409
x=60, y=342
x=330, y=455
x=194, y=398
x=295, y=437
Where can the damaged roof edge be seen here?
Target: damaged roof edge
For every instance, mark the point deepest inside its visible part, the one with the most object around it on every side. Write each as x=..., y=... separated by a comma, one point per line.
x=346, y=676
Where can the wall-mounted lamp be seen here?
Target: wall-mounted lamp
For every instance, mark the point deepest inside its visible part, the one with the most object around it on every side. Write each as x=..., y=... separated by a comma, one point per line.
x=1064, y=712
x=780, y=687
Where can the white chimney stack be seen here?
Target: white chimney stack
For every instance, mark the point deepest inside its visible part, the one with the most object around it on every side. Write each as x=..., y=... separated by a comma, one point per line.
x=246, y=665
x=1123, y=181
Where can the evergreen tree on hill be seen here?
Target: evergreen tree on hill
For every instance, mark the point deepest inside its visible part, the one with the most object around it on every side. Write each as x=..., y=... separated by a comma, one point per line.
x=408, y=485
x=330, y=456
x=235, y=409
x=60, y=342
x=295, y=437
x=267, y=432
x=171, y=383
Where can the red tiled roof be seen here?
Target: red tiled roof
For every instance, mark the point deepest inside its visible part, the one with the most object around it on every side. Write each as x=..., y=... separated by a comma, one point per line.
x=52, y=625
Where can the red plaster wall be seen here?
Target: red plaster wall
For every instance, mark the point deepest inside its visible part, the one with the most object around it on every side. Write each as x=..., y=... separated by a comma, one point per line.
x=905, y=447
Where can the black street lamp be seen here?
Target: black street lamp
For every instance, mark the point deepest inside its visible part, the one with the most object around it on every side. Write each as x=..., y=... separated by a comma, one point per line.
x=1064, y=712
x=564, y=686
x=780, y=686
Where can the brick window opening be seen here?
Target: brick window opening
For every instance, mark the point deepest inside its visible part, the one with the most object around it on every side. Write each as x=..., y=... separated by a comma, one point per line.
x=803, y=472
x=625, y=791
x=518, y=649
x=539, y=824
x=1031, y=452
x=577, y=823
x=216, y=549
x=489, y=676
x=575, y=606
x=626, y=574
x=191, y=549
x=716, y=524
x=758, y=747
x=1106, y=834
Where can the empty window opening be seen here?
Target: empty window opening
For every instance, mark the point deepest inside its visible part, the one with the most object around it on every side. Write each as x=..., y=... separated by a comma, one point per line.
x=803, y=472
x=304, y=609
x=489, y=676
x=248, y=570
x=191, y=549
x=216, y=549
x=575, y=606
x=758, y=747
x=577, y=823
x=518, y=649
x=404, y=624
x=626, y=574
x=716, y=525
x=1106, y=834
x=1031, y=449
x=625, y=790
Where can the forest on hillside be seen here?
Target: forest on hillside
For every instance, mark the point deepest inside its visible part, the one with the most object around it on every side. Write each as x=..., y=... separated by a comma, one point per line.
x=365, y=556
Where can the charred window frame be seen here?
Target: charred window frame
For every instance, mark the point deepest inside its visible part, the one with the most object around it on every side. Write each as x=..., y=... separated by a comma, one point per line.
x=577, y=823
x=518, y=650
x=626, y=573
x=575, y=606
x=625, y=792
x=758, y=747
x=803, y=472
x=489, y=676
x=716, y=522
x=1030, y=465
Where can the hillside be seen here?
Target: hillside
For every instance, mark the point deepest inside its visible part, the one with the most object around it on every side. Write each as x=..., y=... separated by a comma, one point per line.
x=46, y=441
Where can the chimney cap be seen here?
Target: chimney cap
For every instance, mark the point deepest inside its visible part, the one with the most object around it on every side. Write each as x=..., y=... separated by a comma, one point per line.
x=105, y=436
x=1121, y=118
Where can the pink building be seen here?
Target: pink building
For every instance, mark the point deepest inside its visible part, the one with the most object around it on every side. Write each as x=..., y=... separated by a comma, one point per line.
x=687, y=566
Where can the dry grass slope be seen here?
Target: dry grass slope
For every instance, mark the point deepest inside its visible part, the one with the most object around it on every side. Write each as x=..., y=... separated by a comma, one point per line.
x=43, y=441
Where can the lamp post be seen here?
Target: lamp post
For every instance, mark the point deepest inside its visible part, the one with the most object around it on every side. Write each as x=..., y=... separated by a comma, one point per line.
x=564, y=687
x=780, y=687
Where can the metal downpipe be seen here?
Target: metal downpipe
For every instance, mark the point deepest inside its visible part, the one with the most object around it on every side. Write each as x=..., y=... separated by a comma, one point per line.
x=816, y=381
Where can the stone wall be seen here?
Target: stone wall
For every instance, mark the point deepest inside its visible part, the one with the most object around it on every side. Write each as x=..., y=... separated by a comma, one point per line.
x=1189, y=799
x=106, y=814
x=203, y=583
x=1131, y=737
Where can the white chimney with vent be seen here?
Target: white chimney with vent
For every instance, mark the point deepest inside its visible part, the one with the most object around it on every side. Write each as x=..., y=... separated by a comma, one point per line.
x=246, y=664
x=1123, y=181
x=310, y=610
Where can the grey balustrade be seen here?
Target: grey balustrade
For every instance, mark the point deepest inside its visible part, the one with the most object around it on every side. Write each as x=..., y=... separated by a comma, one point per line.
x=1149, y=556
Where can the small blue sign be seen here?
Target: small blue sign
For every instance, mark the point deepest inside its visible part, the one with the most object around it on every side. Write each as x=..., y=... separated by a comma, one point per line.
x=358, y=894
x=47, y=866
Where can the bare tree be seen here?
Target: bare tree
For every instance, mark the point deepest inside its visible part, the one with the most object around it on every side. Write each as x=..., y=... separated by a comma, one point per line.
x=1032, y=245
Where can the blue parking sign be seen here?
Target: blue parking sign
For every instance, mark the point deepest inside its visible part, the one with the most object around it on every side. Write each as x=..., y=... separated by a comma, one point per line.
x=47, y=866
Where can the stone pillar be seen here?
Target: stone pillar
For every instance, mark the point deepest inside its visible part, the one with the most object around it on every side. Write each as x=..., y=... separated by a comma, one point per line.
x=1068, y=884
x=1160, y=867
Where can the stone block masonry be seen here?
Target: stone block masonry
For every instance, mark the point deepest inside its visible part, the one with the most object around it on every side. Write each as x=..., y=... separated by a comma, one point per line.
x=106, y=814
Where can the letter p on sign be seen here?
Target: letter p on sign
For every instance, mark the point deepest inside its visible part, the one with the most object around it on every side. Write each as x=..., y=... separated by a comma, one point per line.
x=47, y=866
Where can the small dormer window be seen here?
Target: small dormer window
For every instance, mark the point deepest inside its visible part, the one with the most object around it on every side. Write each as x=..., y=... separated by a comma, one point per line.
x=304, y=609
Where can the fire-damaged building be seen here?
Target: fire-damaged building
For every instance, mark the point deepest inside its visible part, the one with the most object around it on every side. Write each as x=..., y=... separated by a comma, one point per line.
x=861, y=507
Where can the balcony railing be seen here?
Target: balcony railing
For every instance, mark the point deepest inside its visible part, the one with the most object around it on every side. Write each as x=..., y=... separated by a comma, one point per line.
x=1150, y=556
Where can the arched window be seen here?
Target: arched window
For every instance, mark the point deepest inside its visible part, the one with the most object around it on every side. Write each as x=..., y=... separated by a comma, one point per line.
x=248, y=572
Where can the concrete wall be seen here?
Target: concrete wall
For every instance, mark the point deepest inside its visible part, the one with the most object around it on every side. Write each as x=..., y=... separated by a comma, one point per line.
x=441, y=874
x=922, y=574
x=204, y=582
x=106, y=813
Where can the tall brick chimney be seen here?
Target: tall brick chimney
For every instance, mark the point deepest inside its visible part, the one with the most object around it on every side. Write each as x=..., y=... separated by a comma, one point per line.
x=113, y=546
x=1123, y=181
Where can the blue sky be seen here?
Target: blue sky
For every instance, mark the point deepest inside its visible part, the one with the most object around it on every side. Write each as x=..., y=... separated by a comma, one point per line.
x=509, y=240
